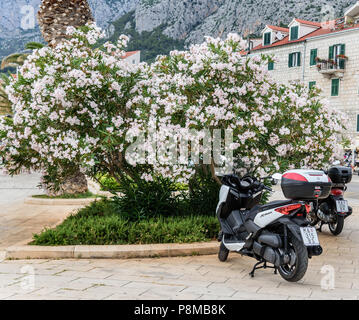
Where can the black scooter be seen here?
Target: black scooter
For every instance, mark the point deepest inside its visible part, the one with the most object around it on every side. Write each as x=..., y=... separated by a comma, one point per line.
x=334, y=209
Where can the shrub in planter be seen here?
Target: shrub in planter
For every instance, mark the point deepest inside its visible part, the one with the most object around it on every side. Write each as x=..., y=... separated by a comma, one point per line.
x=143, y=199
x=108, y=183
x=101, y=224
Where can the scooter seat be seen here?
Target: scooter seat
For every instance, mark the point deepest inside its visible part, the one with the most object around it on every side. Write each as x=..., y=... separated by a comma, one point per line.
x=251, y=214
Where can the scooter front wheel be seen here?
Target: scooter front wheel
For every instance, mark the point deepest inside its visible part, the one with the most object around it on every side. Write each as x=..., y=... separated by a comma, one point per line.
x=297, y=270
x=223, y=252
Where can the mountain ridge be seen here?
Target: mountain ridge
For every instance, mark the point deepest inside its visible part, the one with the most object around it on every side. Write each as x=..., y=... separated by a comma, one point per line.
x=186, y=21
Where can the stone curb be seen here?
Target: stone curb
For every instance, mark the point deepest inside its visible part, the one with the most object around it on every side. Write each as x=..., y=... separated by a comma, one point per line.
x=112, y=251
x=59, y=202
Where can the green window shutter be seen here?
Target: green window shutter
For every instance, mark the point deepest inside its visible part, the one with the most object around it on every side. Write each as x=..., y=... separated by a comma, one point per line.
x=331, y=52
x=267, y=38
x=335, y=87
x=290, y=60
x=298, y=59
x=342, y=61
x=342, y=48
x=312, y=84
x=313, y=56
x=358, y=123
x=271, y=66
x=294, y=33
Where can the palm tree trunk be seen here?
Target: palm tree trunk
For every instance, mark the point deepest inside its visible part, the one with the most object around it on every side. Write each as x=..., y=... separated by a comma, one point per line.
x=54, y=17
x=75, y=184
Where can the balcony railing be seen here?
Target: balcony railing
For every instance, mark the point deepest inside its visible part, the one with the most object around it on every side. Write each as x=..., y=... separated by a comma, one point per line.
x=330, y=67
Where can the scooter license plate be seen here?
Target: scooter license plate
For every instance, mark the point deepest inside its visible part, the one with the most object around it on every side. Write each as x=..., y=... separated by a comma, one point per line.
x=309, y=236
x=342, y=205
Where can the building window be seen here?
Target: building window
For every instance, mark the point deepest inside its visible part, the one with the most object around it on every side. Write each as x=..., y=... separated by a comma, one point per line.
x=313, y=56
x=336, y=50
x=335, y=87
x=294, y=33
x=294, y=60
x=271, y=66
x=267, y=38
x=250, y=45
x=312, y=84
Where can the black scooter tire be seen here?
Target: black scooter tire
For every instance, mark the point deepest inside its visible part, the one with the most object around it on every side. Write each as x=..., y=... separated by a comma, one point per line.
x=339, y=226
x=223, y=253
x=301, y=263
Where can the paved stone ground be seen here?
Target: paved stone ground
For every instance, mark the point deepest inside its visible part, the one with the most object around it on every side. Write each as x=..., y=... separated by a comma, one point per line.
x=201, y=277
x=19, y=221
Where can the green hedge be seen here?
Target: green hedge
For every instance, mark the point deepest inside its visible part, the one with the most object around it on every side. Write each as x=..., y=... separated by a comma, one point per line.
x=100, y=224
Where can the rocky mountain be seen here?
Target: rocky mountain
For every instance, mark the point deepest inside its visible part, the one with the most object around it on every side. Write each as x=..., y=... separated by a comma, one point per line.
x=186, y=21
x=18, y=23
x=191, y=20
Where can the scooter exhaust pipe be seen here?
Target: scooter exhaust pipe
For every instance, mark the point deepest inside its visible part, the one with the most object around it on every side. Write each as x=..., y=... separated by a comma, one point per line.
x=315, y=250
x=268, y=253
x=270, y=239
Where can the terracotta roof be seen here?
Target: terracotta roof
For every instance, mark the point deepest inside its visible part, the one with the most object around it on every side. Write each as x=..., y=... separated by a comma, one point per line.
x=129, y=54
x=310, y=23
x=320, y=31
x=278, y=28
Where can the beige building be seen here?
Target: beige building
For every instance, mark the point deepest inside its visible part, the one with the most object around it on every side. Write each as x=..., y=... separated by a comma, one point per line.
x=133, y=57
x=325, y=55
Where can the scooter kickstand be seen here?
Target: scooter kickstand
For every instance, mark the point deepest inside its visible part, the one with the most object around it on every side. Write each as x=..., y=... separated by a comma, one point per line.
x=264, y=266
x=256, y=267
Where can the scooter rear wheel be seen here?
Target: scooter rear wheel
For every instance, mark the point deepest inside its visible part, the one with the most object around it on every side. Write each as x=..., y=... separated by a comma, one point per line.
x=295, y=272
x=223, y=253
x=337, y=227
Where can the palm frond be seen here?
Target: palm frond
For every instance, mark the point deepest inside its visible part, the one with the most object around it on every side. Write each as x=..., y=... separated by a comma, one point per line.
x=5, y=103
x=4, y=79
x=14, y=60
x=34, y=45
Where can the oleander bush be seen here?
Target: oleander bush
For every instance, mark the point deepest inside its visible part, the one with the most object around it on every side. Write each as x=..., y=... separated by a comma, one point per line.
x=80, y=105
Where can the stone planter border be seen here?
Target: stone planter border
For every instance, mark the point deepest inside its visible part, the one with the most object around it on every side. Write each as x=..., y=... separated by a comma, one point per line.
x=112, y=252
x=59, y=202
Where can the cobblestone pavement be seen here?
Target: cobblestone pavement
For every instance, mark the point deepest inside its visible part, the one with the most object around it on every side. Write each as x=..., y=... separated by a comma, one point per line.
x=19, y=221
x=197, y=277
